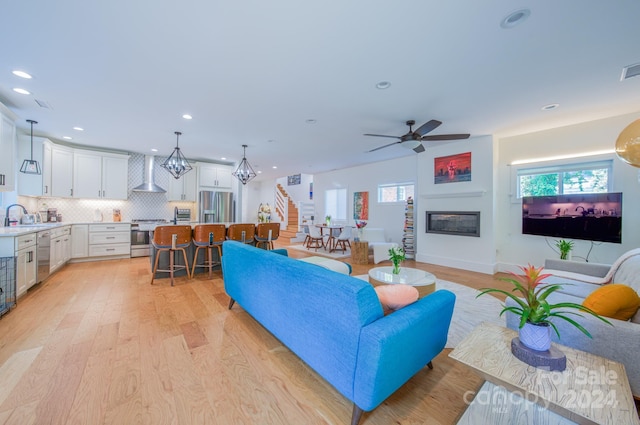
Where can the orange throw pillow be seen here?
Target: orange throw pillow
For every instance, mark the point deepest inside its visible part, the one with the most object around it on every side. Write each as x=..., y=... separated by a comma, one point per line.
x=614, y=300
x=394, y=297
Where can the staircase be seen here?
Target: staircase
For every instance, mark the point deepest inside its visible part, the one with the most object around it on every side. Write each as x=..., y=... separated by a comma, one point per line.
x=290, y=231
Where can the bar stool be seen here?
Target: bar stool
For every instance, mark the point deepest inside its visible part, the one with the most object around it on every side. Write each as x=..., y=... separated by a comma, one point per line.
x=242, y=232
x=208, y=236
x=171, y=239
x=266, y=233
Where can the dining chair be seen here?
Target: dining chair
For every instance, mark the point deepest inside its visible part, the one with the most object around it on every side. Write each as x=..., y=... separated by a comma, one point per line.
x=343, y=239
x=315, y=239
x=171, y=239
x=208, y=237
x=242, y=232
x=266, y=233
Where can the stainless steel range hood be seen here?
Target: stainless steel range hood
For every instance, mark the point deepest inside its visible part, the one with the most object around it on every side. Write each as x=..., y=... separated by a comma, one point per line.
x=149, y=184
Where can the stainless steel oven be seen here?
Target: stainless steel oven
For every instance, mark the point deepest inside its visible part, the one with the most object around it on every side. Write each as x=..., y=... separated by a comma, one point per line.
x=140, y=231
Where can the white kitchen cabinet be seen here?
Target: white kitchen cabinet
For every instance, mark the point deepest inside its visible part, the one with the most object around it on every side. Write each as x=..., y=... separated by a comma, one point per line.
x=46, y=168
x=61, y=171
x=216, y=176
x=110, y=239
x=7, y=147
x=60, y=247
x=100, y=175
x=79, y=240
x=185, y=188
x=26, y=262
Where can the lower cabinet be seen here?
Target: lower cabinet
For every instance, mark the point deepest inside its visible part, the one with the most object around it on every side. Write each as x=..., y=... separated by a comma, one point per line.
x=113, y=239
x=79, y=240
x=26, y=269
x=60, y=247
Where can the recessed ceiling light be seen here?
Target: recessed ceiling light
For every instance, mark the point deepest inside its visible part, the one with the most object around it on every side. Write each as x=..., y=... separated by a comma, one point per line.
x=311, y=121
x=78, y=128
x=382, y=85
x=550, y=106
x=22, y=74
x=259, y=172
x=187, y=117
x=275, y=167
x=67, y=138
x=223, y=158
x=515, y=18
x=154, y=150
x=21, y=91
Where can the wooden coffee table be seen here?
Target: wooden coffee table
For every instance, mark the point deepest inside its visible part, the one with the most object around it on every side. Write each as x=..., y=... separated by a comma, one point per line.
x=423, y=281
x=591, y=390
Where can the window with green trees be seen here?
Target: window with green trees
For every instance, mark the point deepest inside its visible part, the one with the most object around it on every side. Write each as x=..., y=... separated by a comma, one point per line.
x=593, y=177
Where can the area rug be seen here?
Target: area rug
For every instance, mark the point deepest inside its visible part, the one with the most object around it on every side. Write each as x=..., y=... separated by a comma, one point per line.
x=322, y=252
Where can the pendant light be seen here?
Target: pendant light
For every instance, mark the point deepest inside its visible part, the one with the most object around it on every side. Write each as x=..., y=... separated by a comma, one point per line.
x=31, y=166
x=177, y=164
x=244, y=172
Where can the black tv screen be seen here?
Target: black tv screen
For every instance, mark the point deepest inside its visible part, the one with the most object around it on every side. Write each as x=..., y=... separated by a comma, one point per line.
x=588, y=216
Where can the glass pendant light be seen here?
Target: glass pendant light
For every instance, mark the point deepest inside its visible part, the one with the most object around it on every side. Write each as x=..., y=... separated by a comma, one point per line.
x=244, y=172
x=177, y=164
x=31, y=166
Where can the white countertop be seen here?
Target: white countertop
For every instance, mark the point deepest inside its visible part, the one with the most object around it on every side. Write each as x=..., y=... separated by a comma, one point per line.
x=24, y=229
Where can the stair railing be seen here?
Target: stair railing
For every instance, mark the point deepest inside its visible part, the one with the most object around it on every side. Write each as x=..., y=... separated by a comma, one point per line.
x=282, y=208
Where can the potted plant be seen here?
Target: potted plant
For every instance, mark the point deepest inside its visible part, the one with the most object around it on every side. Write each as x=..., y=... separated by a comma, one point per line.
x=536, y=314
x=565, y=248
x=396, y=255
x=327, y=220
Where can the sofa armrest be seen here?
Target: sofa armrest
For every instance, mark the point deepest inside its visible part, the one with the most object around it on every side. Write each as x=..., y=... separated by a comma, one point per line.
x=395, y=347
x=577, y=267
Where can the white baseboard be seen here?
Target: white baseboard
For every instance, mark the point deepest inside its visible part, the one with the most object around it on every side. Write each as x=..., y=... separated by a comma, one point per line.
x=457, y=263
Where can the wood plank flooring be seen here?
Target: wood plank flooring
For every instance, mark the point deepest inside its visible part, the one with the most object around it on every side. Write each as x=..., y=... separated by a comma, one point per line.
x=97, y=344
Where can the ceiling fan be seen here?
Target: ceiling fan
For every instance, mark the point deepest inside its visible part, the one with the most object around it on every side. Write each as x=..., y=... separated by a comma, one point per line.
x=415, y=138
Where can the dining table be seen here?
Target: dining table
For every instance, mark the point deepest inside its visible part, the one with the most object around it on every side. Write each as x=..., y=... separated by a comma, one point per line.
x=332, y=229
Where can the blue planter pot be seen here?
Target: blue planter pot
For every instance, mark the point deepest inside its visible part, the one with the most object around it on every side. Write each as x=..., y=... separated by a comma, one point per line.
x=536, y=337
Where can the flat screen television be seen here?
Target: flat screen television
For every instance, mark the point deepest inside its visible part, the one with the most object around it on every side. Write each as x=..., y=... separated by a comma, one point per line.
x=587, y=216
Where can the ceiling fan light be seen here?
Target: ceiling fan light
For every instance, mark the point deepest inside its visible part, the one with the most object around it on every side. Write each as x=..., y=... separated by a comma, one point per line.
x=177, y=164
x=244, y=172
x=411, y=144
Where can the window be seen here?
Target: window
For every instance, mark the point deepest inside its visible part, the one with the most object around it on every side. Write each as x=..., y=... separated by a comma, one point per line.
x=395, y=192
x=592, y=177
x=335, y=204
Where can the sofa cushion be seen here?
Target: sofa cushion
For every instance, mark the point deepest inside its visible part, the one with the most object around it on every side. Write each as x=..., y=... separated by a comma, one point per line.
x=394, y=297
x=615, y=300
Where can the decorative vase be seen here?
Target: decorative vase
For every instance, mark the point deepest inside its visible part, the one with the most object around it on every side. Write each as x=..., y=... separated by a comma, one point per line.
x=536, y=337
x=396, y=268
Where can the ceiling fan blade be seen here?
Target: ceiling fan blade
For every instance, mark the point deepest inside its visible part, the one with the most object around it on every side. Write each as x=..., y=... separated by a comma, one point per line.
x=428, y=127
x=385, y=146
x=381, y=135
x=419, y=148
x=446, y=137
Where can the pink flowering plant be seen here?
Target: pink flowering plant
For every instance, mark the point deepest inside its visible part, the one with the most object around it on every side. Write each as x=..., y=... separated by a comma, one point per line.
x=533, y=306
x=360, y=224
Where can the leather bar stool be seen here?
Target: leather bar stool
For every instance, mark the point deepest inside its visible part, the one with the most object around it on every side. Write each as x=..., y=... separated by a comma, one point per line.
x=242, y=232
x=171, y=239
x=266, y=233
x=208, y=237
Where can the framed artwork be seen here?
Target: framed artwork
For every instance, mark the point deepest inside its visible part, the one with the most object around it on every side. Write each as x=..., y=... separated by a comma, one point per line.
x=293, y=180
x=361, y=205
x=452, y=168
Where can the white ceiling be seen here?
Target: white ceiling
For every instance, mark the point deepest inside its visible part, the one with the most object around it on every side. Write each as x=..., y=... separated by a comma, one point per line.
x=253, y=72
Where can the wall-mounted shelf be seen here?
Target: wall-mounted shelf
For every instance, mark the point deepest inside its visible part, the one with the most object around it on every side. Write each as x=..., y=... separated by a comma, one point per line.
x=476, y=193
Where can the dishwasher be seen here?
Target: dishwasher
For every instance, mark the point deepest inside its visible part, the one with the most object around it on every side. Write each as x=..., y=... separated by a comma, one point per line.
x=44, y=255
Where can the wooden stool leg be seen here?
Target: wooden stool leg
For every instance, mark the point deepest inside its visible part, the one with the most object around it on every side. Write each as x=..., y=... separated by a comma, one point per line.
x=210, y=255
x=155, y=265
x=195, y=260
x=171, y=264
x=186, y=262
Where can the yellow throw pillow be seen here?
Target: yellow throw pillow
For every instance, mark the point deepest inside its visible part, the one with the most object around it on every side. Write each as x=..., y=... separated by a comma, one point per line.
x=614, y=300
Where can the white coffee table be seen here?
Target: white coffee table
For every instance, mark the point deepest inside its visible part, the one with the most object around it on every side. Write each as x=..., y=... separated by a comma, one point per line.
x=423, y=281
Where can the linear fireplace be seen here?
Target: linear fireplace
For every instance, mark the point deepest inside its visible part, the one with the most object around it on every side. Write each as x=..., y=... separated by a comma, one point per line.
x=462, y=223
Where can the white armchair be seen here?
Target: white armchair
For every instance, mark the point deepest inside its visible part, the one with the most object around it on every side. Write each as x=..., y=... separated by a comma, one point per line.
x=378, y=244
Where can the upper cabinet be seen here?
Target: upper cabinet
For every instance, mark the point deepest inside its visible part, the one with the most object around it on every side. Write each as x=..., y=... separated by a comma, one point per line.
x=184, y=188
x=7, y=147
x=213, y=175
x=100, y=175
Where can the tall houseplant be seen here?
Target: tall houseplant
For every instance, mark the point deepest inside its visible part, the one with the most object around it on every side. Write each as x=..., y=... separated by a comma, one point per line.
x=534, y=309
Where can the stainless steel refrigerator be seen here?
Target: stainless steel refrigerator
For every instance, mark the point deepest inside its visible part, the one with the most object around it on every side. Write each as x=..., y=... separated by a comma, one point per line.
x=216, y=207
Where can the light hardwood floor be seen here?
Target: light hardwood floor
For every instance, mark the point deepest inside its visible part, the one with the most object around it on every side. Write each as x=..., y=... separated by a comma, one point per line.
x=97, y=344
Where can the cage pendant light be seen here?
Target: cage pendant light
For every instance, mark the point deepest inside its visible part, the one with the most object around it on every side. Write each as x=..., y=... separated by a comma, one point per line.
x=177, y=164
x=244, y=172
x=31, y=166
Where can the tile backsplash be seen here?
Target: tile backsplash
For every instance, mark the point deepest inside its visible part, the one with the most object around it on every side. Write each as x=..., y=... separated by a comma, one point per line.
x=140, y=205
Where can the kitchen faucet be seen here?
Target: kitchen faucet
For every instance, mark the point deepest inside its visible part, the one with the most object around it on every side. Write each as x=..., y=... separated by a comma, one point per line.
x=7, y=222
x=584, y=212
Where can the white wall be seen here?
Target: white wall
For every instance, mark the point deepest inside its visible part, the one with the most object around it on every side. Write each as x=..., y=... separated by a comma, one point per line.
x=518, y=249
x=466, y=252
x=366, y=178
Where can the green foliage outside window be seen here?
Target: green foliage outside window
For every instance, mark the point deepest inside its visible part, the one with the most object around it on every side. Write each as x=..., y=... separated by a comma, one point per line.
x=585, y=180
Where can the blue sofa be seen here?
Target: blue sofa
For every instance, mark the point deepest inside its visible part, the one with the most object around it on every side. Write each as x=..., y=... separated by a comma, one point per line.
x=335, y=323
